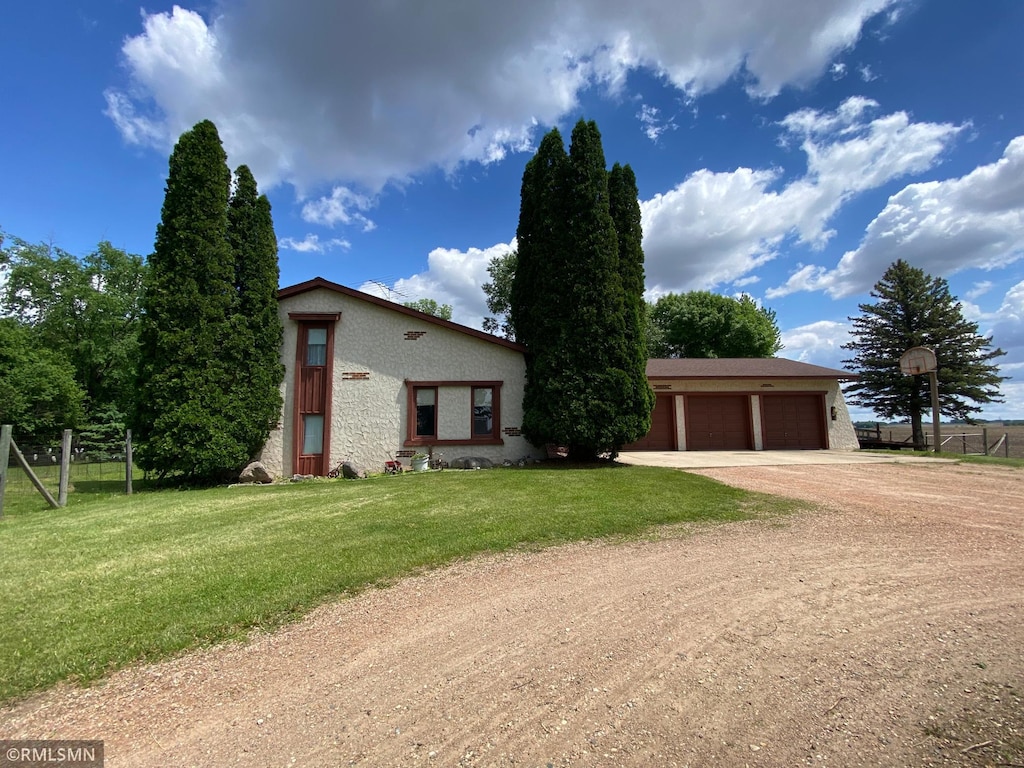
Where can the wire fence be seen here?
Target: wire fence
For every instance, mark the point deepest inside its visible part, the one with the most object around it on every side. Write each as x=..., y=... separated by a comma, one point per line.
x=44, y=472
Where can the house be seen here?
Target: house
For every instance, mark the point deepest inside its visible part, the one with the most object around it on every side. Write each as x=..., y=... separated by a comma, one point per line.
x=368, y=380
x=746, y=404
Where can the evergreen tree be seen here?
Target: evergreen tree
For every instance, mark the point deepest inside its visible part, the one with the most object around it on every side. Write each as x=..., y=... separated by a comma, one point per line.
x=917, y=310
x=182, y=417
x=568, y=303
x=624, y=206
x=256, y=326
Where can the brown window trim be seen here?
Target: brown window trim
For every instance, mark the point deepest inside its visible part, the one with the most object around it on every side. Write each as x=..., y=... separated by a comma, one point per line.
x=495, y=433
x=414, y=416
x=412, y=440
x=306, y=320
x=315, y=317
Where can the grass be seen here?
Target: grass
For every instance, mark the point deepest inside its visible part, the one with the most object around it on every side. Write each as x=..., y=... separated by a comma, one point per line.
x=111, y=579
x=958, y=457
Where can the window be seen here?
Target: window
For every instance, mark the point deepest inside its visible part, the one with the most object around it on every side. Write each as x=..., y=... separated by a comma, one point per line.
x=316, y=346
x=453, y=413
x=426, y=412
x=312, y=433
x=483, y=412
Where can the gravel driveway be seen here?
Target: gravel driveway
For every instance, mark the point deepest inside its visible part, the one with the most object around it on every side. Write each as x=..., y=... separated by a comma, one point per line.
x=885, y=627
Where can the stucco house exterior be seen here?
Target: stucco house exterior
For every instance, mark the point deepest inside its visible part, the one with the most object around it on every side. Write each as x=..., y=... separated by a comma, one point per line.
x=368, y=380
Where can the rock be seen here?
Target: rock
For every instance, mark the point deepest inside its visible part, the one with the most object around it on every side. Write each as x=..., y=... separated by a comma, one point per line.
x=301, y=478
x=471, y=462
x=255, y=473
x=352, y=471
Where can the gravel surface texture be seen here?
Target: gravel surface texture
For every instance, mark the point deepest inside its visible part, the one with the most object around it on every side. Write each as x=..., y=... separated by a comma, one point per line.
x=882, y=627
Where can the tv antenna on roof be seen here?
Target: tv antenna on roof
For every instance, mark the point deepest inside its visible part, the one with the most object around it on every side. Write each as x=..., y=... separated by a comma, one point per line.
x=388, y=293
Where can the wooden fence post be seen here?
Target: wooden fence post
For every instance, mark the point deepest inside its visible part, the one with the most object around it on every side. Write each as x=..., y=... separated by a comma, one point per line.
x=5, y=457
x=32, y=476
x=984, y=440
x=128, y=462
x=65, y=468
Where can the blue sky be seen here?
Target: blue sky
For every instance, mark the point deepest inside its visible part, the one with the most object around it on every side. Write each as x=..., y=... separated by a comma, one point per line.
x=788, y=150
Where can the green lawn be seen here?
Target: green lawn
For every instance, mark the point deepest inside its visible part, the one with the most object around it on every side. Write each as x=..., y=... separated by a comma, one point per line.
x=113, y=579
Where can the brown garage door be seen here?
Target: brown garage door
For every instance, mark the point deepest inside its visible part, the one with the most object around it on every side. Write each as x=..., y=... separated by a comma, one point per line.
x=662, y=436
x=793, y=422
x=718, y=423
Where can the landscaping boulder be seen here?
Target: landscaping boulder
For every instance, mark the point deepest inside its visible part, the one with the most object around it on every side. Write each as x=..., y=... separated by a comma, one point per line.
x=471, y=462
x=352, y=471
x=255, y=473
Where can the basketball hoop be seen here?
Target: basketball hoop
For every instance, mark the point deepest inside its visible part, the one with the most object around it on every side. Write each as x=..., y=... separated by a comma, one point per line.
x=917, y=360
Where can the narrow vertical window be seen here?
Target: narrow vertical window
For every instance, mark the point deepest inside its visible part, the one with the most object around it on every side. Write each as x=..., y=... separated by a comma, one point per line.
x=426, y=411
x=312, y=433
x=483, y=411
x=316, y=346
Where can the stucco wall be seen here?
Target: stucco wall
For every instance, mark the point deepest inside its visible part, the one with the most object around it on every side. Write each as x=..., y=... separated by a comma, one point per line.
x=841, y=434
x=368, y=416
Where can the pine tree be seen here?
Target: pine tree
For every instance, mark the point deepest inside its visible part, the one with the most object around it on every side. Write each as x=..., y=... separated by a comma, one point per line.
x=183, y=418
x=917, y=310
x=568, y=304
x=256, y=326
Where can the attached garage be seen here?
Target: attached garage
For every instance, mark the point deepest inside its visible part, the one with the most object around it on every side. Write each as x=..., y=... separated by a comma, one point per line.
x=718, y=423
x=793, y=422
x=738, y=404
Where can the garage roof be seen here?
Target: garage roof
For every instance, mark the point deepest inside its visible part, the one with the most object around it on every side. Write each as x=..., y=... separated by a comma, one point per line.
x=741, y=368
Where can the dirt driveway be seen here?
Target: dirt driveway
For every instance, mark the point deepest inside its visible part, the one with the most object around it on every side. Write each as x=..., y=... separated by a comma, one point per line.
x=885, y=628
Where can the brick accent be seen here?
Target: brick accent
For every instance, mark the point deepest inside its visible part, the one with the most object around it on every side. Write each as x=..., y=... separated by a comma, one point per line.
x=355, y=375
x=662, y=386
x=414, y=335
x=513, y=431
x=404, y=454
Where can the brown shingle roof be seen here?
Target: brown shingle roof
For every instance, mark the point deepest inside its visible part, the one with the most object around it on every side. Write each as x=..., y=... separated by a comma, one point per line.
x=740, y=368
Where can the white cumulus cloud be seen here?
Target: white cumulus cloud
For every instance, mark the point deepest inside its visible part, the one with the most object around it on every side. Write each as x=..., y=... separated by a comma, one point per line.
x=942, y=227
x=452, y=277
x=717, y=228
x=364, y=94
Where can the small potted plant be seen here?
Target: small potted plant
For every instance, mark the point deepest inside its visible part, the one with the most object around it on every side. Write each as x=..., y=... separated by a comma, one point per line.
x=419, y=462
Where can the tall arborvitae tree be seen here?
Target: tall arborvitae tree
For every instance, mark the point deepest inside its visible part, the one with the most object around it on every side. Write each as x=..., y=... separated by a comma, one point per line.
x=183, y=418
x=568, y=303
x=916, y=310
x=624, y=206
x=256, y=326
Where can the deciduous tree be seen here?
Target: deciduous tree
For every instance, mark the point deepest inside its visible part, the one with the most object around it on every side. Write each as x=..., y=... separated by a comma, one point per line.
x=914, y=309
x=85, y=309
x=431, y=307
x=502, y=270
x=706, y=324
x=39, y=396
